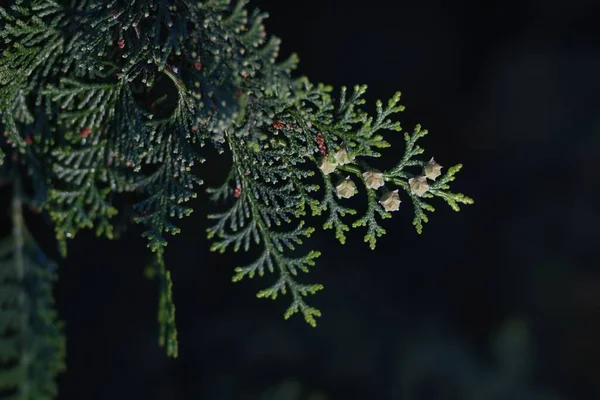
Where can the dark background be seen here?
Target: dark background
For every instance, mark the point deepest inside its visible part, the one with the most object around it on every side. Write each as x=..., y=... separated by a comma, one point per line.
x=509, y=89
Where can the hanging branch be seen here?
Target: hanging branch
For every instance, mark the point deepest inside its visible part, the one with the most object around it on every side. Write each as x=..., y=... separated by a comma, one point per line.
x=99, y=98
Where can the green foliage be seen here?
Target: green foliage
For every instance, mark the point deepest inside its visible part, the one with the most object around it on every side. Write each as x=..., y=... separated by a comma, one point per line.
x=32, y=348
x=439, y=188
x=103, y=98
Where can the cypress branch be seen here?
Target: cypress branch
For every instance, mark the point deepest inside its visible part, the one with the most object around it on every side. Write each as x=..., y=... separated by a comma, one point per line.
x=32, y=348
x=101, y=98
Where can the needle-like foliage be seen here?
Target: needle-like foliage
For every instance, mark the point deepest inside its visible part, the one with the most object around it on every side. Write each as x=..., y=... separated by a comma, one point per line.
x=99, y=98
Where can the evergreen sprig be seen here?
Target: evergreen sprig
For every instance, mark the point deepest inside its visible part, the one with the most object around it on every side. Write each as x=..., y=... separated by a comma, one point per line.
x=32, y=348
x=99, y=98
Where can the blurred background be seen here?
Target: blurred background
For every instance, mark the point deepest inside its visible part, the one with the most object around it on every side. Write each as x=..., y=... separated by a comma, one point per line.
x=500, y=301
